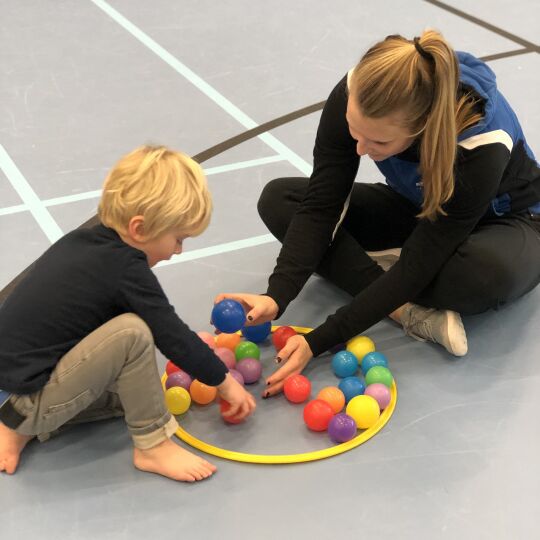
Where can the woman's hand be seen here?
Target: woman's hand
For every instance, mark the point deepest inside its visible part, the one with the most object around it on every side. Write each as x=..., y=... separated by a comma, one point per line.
x=259, y=308
x=294, y=357
x=241, y=401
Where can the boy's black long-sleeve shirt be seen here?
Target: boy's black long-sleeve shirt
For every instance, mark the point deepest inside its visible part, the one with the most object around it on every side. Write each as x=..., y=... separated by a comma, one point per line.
x=82, y=281
x=487, y=166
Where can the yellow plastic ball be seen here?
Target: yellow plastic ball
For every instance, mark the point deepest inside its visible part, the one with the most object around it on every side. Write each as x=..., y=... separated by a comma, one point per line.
x=365, y=410
x=360, y=346
x=177, y=399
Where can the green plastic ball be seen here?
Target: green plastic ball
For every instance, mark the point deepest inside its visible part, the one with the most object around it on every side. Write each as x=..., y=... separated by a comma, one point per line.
x=379, y=374
x=247, y=349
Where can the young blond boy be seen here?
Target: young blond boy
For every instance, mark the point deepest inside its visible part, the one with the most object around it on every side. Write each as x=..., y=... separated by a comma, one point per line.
x=78, y=335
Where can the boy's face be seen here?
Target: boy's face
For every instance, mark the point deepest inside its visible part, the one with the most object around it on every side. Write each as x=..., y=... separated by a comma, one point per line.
x=163, y=247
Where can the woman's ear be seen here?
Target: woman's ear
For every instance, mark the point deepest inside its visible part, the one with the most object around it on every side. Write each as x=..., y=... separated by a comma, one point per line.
x=135, y=229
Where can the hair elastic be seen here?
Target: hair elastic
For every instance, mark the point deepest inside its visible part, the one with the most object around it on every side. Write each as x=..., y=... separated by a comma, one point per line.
x=423, y=53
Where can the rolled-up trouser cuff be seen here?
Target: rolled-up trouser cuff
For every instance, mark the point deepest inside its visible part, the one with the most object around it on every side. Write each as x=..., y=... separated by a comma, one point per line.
x=156, y=433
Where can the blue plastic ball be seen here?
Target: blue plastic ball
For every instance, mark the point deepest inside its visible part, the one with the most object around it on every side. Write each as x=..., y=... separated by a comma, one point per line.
x=257, y=333
x=344, y=364
x=228, y=316
x=351, y=387
x=373, y=359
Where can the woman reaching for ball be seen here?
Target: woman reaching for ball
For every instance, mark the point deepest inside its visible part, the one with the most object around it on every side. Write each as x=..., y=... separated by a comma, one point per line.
x=460, y=209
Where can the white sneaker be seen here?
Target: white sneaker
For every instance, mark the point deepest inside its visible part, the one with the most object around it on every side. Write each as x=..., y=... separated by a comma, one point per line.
x=386, y=258
x=440, y=326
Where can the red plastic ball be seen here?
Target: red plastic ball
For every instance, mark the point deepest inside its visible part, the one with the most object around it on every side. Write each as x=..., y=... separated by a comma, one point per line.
x=224, y=406
x=171, y=368
x=297, y=388
x=281, y=335
x=317, y=415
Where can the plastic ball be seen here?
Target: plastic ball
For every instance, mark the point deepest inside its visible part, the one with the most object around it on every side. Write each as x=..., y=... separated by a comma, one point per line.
x=226, y=356
x=297, y=388
x=208, y=338
x=171, y=368
x=228, y=341
x=247, y=349
x=360, y=346
x=351, y=387
x=317, y=415
x=224, y=406
x=250, y=368
x=228, y=316
x=365, y=411
x=177, y=400
x=380, y=393
x=344, y=364
x=202, y=393
x=281, y=335
x=257, y=333
x=178, y=378
x=373, y=359
x=237, y=375
x=334, y=397
x=379, y=374
x=342, y=428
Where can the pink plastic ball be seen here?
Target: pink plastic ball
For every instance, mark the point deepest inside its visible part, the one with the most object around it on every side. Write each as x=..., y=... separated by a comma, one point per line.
x=380, y=393
x=226, y=356
x=208, y=338
x=251, y=370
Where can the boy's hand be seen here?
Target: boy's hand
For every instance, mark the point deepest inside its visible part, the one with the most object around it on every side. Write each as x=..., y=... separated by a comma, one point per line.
x=293, y=358
x=242, y=402
x=259, y=308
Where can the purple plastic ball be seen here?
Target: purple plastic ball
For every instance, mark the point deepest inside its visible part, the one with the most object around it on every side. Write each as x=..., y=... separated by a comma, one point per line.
x=380, y=392
x=178, y=378
x=226, y=356
x=251, y=370
x=237, y=375
x=342, y=428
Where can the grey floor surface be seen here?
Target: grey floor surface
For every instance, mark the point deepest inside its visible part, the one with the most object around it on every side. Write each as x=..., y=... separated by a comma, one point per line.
x=83, y=82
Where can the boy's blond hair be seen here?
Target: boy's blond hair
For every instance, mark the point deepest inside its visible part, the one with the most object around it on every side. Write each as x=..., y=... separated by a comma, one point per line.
x=167, y=188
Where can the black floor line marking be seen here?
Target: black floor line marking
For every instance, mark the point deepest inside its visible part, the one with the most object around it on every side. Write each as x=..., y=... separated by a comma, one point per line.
x=492, y=28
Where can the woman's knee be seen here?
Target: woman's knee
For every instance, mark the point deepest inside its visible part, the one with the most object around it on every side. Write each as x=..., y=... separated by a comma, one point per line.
x=278, y=202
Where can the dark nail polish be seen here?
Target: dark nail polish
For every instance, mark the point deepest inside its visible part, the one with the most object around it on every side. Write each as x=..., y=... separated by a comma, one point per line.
x=278, y=359
x=250, y=318
x=268, y=383
x=265, y=395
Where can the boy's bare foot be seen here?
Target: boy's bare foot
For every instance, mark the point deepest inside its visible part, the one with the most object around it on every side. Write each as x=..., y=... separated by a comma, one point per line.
x=172, y=461
x=11, y=446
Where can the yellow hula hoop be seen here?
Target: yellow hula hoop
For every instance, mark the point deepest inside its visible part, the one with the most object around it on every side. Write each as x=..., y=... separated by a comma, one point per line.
x=279, y=459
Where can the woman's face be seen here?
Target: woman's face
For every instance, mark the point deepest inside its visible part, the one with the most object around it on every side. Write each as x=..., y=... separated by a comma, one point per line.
x=379, y=138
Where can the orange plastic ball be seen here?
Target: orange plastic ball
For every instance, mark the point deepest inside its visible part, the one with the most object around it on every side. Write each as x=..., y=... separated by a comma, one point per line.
x=229, y=341
x=334, y=397
x=202, y=393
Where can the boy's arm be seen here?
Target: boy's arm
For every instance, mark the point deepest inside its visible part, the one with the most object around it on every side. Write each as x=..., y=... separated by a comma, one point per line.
x=139, y=292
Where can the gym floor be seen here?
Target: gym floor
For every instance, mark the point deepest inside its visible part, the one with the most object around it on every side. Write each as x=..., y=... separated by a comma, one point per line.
x=84, y=82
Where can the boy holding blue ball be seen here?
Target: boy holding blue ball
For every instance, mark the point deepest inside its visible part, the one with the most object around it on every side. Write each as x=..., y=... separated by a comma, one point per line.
x=78, y=335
